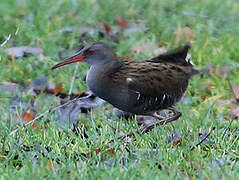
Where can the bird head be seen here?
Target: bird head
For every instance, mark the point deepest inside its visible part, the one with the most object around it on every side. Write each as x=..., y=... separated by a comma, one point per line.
x=95, y=54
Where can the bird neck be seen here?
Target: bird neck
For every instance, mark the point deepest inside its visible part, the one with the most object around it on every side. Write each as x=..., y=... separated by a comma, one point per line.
x=97, y=76
x=104, y=63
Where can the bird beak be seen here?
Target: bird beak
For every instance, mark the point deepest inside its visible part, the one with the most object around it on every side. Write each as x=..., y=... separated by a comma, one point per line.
x=76, y=58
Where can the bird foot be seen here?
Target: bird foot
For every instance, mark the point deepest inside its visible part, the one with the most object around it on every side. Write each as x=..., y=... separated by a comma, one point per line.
x=165, y=120
x=161, y=120
x=148, y=127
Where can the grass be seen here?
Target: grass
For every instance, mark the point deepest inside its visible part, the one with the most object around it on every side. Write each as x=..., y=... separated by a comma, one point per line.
x=215, y=29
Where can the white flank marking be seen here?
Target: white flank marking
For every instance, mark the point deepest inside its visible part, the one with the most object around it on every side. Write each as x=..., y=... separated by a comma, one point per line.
x=138, y=95
x=188, y=59
x=129, y=80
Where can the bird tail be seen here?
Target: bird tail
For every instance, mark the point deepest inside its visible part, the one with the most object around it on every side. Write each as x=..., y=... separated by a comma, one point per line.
x=178, y=56
x=195, y=72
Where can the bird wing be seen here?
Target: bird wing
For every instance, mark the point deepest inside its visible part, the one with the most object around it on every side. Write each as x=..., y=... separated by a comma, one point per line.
x=151, y=78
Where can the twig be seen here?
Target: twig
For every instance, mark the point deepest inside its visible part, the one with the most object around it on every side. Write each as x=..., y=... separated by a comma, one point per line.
x=202, y=140
x=73, y=78
x=46, y=112
x=224, y=133
x=9, y=38
x=16, y=31
x=5, y=42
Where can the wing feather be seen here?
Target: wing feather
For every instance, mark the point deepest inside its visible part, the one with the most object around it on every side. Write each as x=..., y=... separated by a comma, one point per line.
x=151, y=79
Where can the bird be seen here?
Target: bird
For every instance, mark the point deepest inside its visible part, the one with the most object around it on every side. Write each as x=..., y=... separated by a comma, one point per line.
x=140, y=87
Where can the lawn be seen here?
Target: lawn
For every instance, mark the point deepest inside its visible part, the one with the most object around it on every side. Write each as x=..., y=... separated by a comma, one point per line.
x=136, y=29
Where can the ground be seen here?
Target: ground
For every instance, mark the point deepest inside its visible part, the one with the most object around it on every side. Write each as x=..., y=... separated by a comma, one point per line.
x=135, y=29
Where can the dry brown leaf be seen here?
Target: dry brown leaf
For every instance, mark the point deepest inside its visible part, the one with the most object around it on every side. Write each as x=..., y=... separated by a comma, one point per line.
x=233, y=103
x=57, y=89
x=204, y=97
x=185, y=33
x=34, y=125
x=205, y=149
x=222, y=103
x=146, y=48
x=50, y=165
x=97, y=151
x=235, y=112
x=121, y=22
x=112, y=152
x=52, y=88
x=27, y=116
x=107, y=28
x=127, y=57
x=235, y=90
x=177, y=142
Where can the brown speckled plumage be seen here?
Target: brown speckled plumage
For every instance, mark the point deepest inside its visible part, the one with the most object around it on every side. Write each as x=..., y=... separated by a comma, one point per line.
x=139, y=87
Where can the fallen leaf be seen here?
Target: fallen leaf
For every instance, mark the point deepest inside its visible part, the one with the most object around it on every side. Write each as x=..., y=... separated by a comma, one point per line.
x=223, y=70
x=233, y=103
x=205, y=149
x=174, y=137
x=57, y=89
x=27, y=116
x=9, y=87
x=121, y=22
x=97, y=151
x=107, y=28
x=38, y=85
x=67, y=29
x=34, y=125
x=192, y=14
x=235, y=112
x=50, y=165
x=68, y=116
x=127, y=57
x=177, y=143
x=70, y=29
x=185, y=33
x=204, y=97
x=145, y=48
x=54, y=88
x=17, y=101
x=111, y=151
x=235, y=90
x=222, y=103
x=137, y=26
x=22, y=51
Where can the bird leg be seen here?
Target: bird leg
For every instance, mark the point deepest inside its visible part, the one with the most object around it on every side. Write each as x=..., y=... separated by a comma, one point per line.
x=148, y=127
x=162, y=120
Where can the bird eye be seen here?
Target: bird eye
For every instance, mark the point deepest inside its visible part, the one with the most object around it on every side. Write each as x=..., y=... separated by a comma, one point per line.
x=89, y=51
